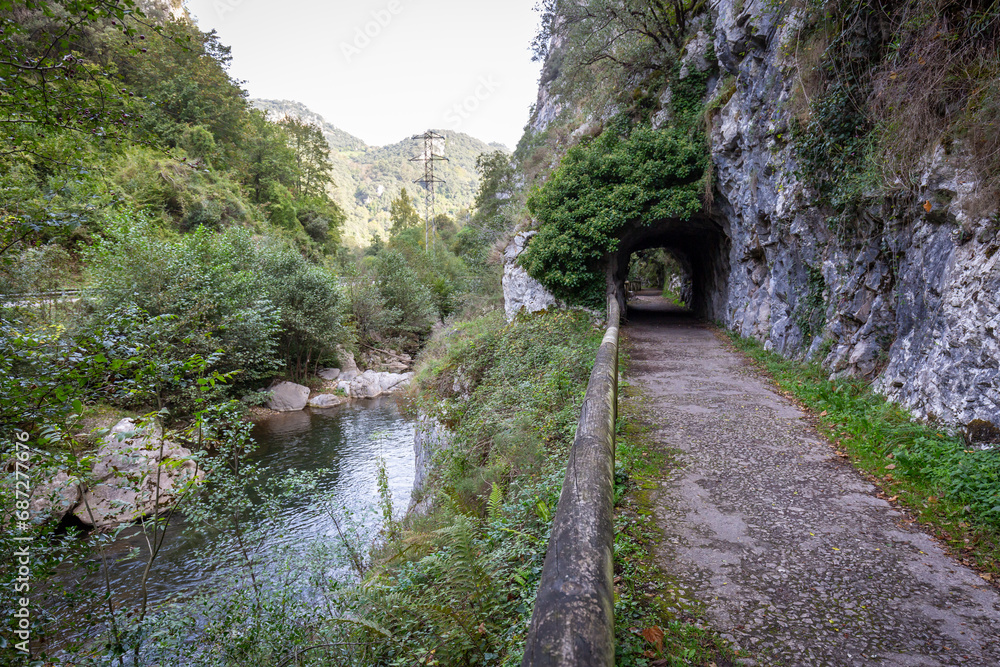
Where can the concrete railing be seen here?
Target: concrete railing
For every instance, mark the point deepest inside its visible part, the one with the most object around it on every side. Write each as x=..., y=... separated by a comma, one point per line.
x=573, y=620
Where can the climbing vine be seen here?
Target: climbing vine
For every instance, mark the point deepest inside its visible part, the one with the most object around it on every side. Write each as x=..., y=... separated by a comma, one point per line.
x=622, y=179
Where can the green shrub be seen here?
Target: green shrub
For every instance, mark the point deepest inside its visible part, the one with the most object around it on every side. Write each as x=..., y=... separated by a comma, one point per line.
x=211, y=283
x=187, y=195
x=403, y=291
x=620, y=180
x=310, y=304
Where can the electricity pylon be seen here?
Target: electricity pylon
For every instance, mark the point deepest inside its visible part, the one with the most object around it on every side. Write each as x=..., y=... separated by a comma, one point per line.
x=429, y=157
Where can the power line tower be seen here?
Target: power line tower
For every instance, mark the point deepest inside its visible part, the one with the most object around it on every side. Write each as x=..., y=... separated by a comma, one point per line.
x=433, y=152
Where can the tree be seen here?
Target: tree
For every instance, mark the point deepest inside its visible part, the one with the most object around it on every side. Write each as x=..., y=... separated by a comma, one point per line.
x=636, y=36
x=612, y=24
x=402, y=213
x=47, y=81
x=312, y=158
x=267, y=161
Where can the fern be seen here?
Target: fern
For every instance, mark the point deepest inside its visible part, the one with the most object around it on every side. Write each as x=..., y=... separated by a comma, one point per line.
x=495, y=503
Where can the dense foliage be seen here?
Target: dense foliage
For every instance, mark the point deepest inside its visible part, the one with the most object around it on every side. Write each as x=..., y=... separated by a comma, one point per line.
x=884, y=85
x=602, y=188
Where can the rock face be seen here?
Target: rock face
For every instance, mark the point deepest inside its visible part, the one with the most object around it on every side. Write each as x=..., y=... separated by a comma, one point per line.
x=430, y=437
x=521, y=291
x=916, y=309
x=54, y=498
x=288, y=397
x=134, y=476
x=913, y=308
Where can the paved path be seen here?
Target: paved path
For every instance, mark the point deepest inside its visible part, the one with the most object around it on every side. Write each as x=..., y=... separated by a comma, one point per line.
x=786, y=548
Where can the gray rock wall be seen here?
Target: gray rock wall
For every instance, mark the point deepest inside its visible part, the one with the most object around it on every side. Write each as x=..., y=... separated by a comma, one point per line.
x=521, y=291
x=429, y=438
x=917, y=311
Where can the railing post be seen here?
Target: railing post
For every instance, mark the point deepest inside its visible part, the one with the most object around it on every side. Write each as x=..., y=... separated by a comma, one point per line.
x=573, y=620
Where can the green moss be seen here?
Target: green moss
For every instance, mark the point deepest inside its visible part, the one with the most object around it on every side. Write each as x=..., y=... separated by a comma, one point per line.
x=646, y=597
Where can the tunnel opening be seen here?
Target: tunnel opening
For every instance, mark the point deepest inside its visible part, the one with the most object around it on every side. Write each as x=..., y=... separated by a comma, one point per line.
x=660, y=272
x=691, y=257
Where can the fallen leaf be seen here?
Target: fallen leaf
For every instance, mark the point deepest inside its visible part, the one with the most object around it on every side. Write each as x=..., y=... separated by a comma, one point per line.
x=824, y=413
x=891, y=466
x=987, y=577
x=893, y=499
x=654, y=636
x=928, y=206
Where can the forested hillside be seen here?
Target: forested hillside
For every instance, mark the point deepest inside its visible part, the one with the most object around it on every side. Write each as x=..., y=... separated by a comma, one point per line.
x=368, y=178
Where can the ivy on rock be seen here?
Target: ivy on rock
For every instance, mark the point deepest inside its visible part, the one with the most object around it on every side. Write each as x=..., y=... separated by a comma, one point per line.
x=623, y=179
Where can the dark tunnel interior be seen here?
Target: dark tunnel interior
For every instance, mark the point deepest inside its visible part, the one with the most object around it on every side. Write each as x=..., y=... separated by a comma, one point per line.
x=701, y=245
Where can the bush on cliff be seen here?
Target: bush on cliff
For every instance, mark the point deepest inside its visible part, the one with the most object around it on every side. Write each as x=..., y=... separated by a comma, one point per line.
x=621, y=180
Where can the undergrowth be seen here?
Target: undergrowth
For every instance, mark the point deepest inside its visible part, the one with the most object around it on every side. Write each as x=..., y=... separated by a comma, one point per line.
x=951, y=487
x=458, y=586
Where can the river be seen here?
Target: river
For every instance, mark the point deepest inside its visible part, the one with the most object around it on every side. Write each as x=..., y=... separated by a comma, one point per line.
x=343, y=444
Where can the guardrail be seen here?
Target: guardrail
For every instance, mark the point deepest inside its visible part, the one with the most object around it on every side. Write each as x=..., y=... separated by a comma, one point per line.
x=573, y=620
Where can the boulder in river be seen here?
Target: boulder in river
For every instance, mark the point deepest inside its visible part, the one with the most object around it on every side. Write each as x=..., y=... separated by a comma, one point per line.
x=348, y=366
x=288, y=397
x=371, y=384
x=136, y=474
x=54, y=497
x=326, y=401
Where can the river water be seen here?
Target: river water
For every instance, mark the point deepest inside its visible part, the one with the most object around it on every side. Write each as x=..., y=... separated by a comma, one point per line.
x=344, y=444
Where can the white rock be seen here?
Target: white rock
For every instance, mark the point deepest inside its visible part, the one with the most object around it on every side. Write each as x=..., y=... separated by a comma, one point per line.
x=329, y=374
x=366, y=385
x=348, y=364
x=288, y=397
x=135, y=475
x=326, y=401
x=521, y=291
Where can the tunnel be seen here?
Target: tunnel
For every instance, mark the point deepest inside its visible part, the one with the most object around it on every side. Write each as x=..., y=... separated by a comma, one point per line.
x=701, y=245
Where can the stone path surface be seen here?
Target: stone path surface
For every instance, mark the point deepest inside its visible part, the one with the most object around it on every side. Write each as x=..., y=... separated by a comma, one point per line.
x=786, y=547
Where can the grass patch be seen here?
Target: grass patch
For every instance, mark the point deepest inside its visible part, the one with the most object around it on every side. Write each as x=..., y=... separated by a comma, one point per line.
x=655, y=621
x=950, y=487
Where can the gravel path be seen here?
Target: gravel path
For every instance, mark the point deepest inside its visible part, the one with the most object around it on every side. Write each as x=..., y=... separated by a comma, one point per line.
x=786, y=547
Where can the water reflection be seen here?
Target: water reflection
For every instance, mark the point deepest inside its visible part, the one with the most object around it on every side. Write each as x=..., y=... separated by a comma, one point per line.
x=344, y=443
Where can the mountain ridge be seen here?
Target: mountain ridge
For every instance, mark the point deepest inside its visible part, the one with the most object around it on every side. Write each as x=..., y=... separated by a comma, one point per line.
x=369, y=177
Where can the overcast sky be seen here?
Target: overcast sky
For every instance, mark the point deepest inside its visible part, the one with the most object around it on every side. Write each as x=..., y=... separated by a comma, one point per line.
x=387, y=69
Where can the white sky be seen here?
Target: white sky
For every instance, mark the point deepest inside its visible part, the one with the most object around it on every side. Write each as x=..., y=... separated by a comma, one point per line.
x=425, y=58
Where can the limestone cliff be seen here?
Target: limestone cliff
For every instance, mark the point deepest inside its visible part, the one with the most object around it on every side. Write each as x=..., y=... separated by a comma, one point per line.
x=915, y=308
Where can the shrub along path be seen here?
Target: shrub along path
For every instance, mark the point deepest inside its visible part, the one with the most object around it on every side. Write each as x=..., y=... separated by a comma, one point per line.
x=784, y=548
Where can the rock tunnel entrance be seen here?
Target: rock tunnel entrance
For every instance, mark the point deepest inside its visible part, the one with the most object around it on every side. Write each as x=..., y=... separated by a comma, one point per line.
x=698, y=248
